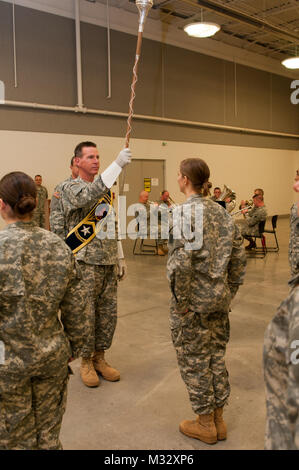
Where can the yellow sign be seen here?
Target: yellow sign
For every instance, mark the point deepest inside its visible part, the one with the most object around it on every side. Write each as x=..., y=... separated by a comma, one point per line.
x=147, y=184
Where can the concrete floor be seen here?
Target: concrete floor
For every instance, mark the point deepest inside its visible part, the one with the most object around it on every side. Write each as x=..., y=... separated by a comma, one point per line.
x=144, y=409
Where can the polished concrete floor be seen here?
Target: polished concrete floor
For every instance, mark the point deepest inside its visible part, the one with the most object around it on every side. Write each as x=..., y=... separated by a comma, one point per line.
x=144, y=409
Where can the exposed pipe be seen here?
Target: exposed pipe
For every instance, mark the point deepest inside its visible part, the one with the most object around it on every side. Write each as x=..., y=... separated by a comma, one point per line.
x=78, y=54
x=232, y=13
x=140, y=117
x=14, y=44
x=109, y=52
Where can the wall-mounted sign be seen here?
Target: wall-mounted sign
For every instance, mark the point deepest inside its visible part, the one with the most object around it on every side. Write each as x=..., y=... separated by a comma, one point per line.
x=155, y=181
x=147, y=184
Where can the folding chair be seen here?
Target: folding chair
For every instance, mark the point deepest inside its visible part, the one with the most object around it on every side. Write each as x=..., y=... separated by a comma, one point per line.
x=259, y=252
x=273, y=231
x=145, y=249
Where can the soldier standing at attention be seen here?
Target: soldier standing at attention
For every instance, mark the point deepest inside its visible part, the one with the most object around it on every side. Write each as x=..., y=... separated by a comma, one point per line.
x=38, y=277
x=42, y=196
x=281, y=363
x=57, y=220
x=204, y=277
x=101, y=260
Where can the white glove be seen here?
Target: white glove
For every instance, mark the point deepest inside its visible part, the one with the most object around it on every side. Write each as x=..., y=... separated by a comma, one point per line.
x=124, y=158
x=121, y=269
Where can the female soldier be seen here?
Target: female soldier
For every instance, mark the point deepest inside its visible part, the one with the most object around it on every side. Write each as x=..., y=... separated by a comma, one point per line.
x=204, y=276
x=281, y=358
x=38, y=277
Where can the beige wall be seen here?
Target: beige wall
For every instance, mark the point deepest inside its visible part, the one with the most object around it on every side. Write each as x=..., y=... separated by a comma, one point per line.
x=240, y=168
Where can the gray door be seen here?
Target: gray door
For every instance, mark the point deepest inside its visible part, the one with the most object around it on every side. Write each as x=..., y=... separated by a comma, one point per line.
x=141, y=173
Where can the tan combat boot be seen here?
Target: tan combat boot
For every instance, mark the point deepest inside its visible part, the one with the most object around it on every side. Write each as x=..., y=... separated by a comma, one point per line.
x=220, y=424
x=88, y=374
x=203, y=428
x=161, y=252
x=108, y=372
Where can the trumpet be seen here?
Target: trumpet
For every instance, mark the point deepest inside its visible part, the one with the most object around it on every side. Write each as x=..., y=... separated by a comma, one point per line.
x=248, y=207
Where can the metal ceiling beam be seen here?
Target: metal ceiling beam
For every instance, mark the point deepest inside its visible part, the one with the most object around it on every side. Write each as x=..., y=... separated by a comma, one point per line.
x=241, y=17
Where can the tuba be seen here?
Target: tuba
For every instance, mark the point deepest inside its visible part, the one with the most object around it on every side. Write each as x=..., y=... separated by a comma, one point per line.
x=227, y=192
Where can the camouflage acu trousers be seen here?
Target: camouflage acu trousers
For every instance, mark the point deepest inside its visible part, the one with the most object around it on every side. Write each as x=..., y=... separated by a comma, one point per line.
x=31, y=409
x=101, y=289
x=200, y=342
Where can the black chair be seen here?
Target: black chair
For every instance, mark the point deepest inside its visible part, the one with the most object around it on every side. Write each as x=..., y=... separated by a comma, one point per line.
x=145, y=248
x=273, y=231
x=259, y=252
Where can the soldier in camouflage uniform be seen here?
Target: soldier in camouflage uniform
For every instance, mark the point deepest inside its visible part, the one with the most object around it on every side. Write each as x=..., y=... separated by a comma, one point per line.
x=258, y=214
x=281, y=358
x=281, y=372
x=38, y=277
x=100, y=261
x=294, y=238
x=42, y=195
x=203, y=279
x=57, y=220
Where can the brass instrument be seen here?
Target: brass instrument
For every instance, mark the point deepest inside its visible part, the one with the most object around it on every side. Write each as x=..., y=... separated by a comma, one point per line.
x=172, y=201
x=227, y=192
x=247, y=207
x=247, y=203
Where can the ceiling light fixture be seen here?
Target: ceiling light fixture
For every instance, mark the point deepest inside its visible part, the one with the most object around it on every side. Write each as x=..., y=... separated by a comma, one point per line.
x=202, y=29
x=291, y=63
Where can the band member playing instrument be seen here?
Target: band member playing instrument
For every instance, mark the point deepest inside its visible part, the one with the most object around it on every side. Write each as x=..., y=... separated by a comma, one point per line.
x=217, y=194
x=165, y=199
x=253, y=218
x=204, y=274
x=101, y=260
x=143, y=199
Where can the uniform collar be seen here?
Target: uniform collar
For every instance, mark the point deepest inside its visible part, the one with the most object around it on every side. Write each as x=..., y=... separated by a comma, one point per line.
x=193, y=197
x=21, y=224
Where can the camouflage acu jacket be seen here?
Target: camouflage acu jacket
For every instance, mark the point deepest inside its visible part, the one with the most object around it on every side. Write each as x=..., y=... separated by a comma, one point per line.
x=253, y=218
x=77, y=197
x=42, y=196
x=294, y=240
x=39, y=277
x=57, y=219
x=206, y=278
x=281, y=364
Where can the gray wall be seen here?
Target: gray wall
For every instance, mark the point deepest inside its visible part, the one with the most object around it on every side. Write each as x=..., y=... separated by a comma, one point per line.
x=191, y=86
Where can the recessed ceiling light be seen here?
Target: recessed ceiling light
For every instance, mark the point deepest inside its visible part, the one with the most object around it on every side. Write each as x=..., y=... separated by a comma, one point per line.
x=291, y=63
x=201, y=29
